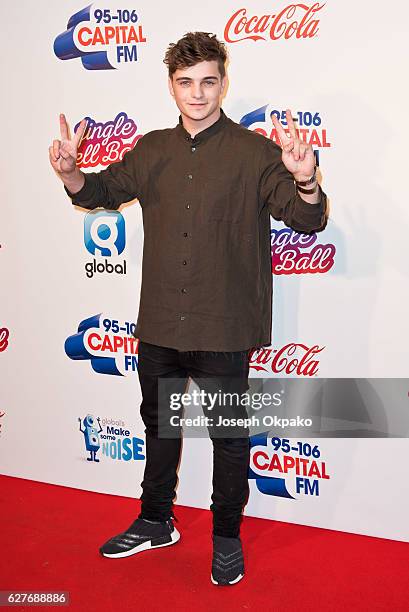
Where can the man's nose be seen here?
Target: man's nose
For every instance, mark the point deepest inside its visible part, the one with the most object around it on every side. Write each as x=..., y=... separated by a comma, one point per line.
x=196, y=90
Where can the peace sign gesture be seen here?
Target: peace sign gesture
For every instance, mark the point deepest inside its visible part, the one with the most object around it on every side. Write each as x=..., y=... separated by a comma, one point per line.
x=63, y=153
x=298, y=157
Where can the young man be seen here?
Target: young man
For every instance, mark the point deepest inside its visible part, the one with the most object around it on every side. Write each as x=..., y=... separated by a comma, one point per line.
x=207, y=188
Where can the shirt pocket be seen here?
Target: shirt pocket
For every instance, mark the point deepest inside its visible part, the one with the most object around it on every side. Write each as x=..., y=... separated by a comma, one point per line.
x=223, y=200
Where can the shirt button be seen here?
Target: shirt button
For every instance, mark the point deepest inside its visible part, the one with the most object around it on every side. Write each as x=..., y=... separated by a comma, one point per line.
x=190, y=176
x=182, y=318
x=184, y=262
x=193, y=149
x=184, y=290
x=187, y=206
x=185, y=234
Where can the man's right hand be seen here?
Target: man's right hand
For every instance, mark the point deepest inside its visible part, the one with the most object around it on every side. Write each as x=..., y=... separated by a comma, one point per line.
x=63, y=155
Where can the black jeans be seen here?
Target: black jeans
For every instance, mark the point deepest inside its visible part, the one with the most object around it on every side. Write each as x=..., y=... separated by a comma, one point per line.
x=230, y=455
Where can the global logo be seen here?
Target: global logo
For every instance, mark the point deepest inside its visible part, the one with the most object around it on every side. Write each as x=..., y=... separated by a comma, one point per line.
x=286, y=468
x=112, y=438
x=103, y=38
x=109, y=345
x=104, y=233
x=104, y=236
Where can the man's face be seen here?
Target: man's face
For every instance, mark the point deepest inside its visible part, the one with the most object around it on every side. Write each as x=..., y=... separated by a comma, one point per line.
x=197, y=90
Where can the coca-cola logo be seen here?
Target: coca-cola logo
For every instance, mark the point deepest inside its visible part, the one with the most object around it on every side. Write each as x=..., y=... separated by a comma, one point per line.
x=4, y=338
x=292, y=358
x=294, y=253
x=299, y=20
x=106, y=143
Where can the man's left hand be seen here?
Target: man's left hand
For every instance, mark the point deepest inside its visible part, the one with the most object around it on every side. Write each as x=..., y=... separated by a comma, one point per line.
x=298, y=157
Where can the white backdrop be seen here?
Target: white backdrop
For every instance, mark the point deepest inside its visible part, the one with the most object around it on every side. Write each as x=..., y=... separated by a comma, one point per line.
x=346, y=83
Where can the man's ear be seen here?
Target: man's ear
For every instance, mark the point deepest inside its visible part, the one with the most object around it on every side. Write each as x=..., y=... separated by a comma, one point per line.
x=170, y=85
x=223, y=83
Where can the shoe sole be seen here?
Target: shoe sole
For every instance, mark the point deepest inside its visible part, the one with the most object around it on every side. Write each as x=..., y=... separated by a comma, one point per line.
x=175, y=537
x=235, y=581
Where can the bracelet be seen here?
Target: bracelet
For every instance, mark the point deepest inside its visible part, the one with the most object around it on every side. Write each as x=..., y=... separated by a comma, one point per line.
x=307, y=191
x=309, y=181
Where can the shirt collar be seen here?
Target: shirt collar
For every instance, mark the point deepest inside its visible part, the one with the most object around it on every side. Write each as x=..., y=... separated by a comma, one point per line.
x=204, y=134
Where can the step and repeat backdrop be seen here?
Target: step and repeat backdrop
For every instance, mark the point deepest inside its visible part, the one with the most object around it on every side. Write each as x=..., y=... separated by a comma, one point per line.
x=70, y=279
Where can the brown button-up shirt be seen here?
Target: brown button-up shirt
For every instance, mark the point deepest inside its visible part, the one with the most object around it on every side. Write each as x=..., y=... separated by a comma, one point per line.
x=206, y=204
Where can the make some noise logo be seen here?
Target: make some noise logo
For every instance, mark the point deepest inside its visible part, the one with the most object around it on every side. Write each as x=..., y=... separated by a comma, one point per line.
x=109, y=438
x=107, y=343
x=286, y=468
x=293, y=20
x=105, y=38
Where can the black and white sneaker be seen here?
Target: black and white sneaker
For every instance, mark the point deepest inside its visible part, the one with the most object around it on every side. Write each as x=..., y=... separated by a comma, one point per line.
x=228, y=562
x=141, y=535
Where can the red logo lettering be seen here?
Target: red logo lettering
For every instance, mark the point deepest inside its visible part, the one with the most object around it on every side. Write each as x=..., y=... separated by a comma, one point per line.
x=4, y=338
x=297, y=20
x=293, y=358
x=107, y=143
x=287, y=256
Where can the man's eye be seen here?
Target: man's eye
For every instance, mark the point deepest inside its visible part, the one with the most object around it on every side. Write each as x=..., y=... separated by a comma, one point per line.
x=184, y=83
x=209, y=82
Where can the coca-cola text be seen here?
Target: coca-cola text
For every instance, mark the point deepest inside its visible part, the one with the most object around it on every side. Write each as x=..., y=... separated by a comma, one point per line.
x=283, y=361
x=297, y=20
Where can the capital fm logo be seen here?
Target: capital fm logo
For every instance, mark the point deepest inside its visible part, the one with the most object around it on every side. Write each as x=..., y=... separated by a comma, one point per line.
x=294, y=20
x=108, y=344
x=103, y=38
x=110, y=439
x=308, y=124
x=294, y=358
x=104, y=237
x=286, y=468
x=4, y=338
x=293, y=252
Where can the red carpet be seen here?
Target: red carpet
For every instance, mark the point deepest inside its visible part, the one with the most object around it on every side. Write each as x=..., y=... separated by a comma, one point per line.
x=51, y=534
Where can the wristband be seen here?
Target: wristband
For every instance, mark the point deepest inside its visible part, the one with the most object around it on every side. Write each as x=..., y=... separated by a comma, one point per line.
x=309, y=181
x=307, y=191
